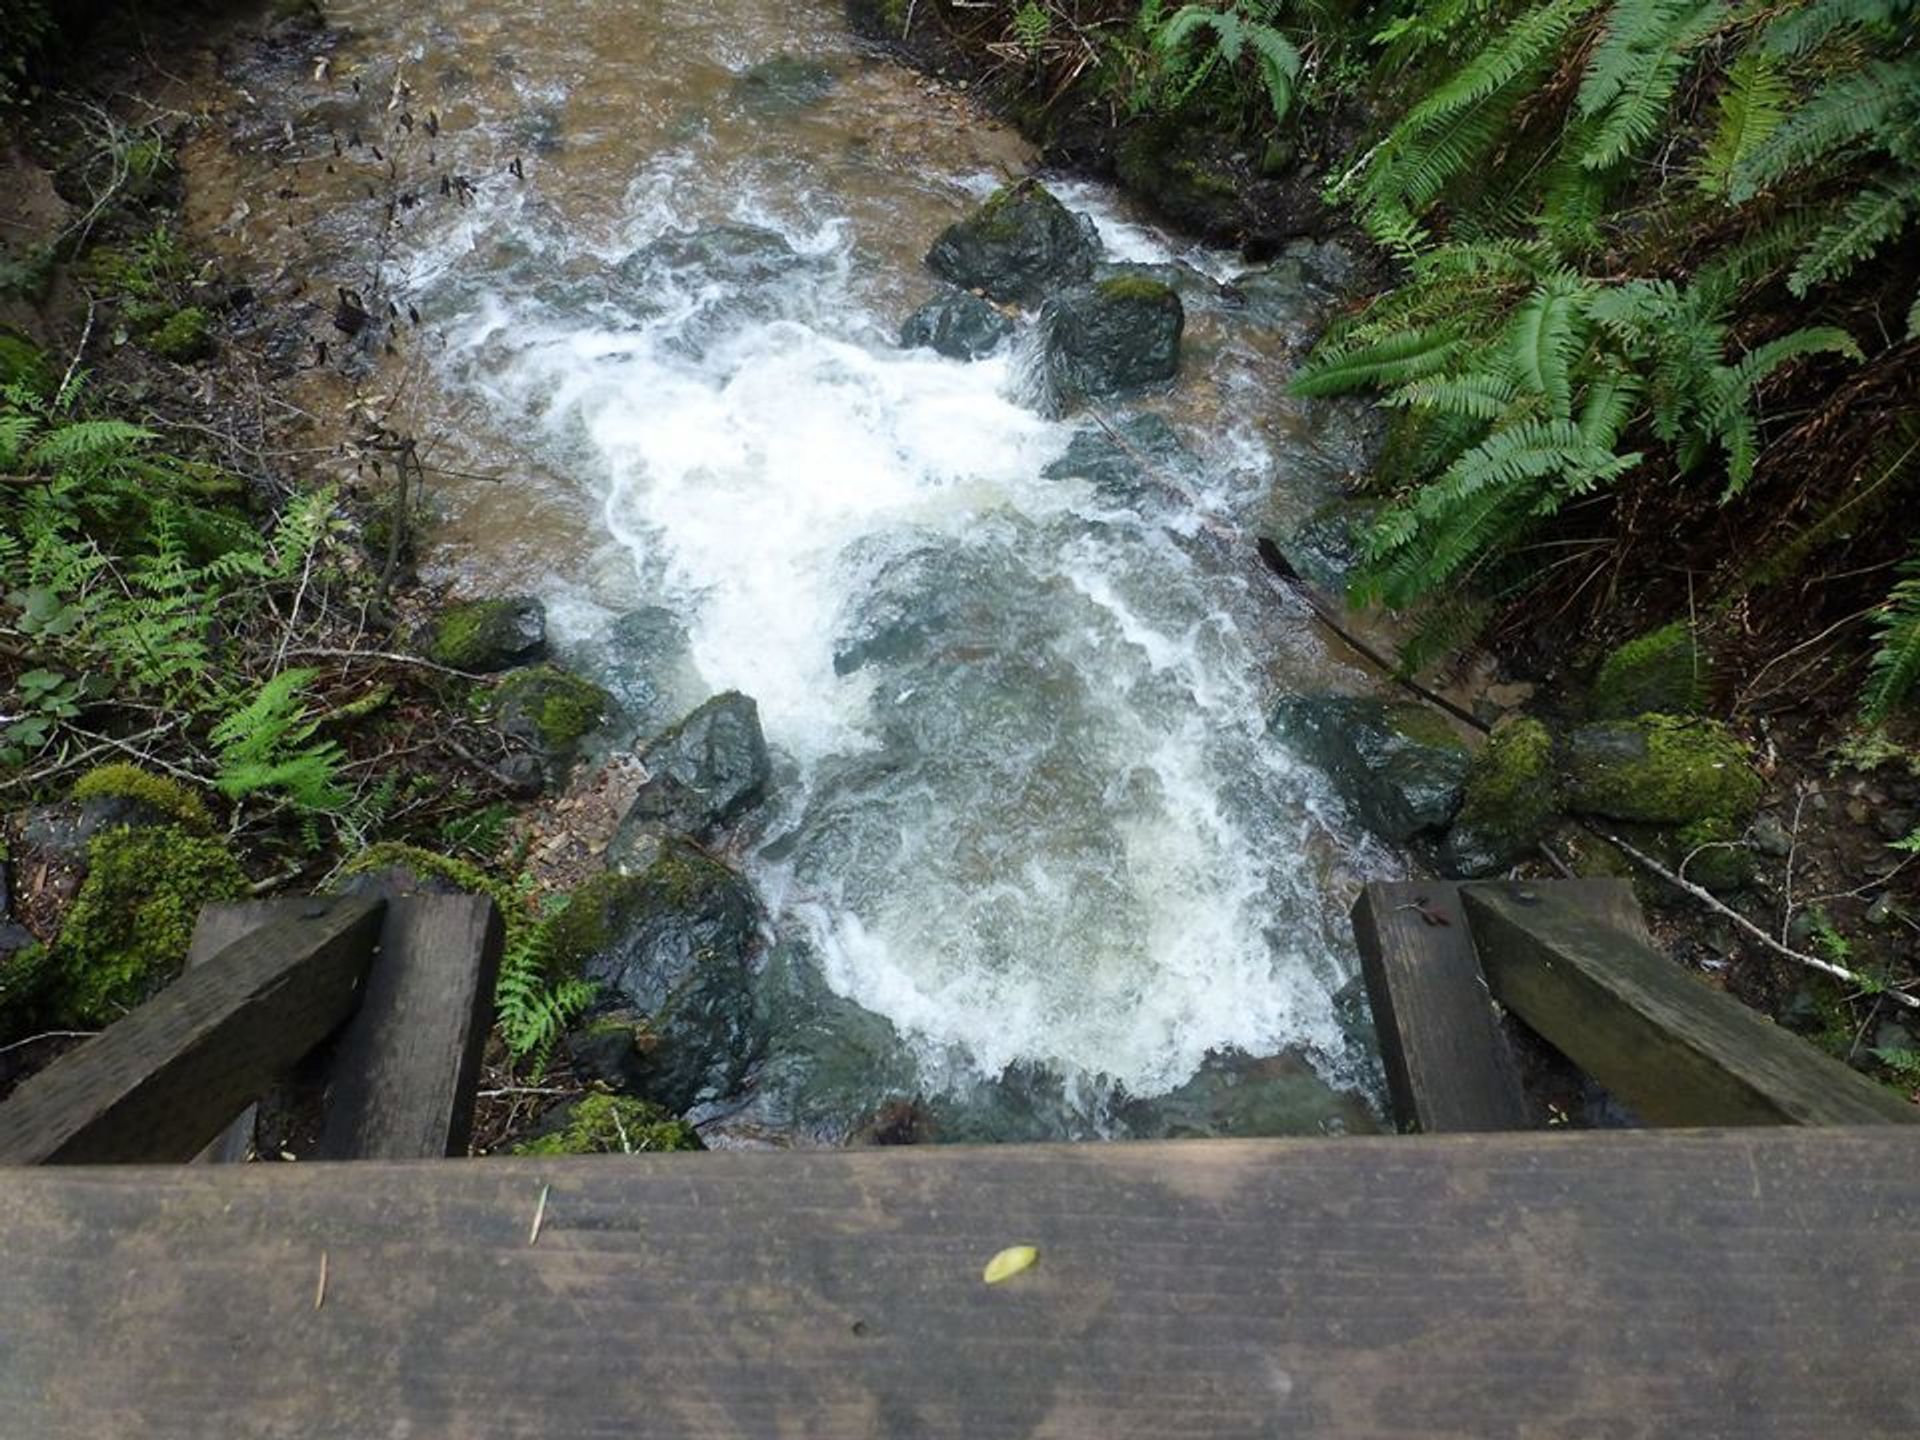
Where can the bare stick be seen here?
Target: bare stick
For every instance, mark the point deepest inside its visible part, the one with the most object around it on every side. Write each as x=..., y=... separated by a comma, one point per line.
x=1812, y=962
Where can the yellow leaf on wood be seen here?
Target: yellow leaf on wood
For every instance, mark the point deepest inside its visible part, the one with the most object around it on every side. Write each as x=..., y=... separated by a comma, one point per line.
x=1010, y=1262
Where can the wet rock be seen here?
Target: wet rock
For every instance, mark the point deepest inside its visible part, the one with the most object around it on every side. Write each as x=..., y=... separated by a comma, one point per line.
x=1770, y=837
x=910, y=601
x=957, y=325
x=674, y=944
x=1661, y=769
x=1021, y=243
x=704, y=773
x=550, y=711
x=1327, y=547
x=1139, y=451
x=641, y=659
x=1110, y=338
x=485, y=636
x=1235, y=1095
x=835, y=1073
x=784, y=85
x=1510, y=802
x=1399, y=765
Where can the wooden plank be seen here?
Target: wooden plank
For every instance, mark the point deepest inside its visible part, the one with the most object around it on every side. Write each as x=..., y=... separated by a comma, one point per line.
x=404, y=1072
x=1447, y=1064
x=217, y=927
x=163, y=1081
x=1676, y=1050
x=1745, y=1284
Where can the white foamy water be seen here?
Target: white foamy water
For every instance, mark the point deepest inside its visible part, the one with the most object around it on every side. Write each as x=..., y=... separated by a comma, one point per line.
x=1036, y=817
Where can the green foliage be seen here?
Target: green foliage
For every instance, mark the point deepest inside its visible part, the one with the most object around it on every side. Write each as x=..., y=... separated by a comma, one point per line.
x=1662, y=672
x=1894, y=670
x=1662, y=770
x=1244, y=30
x=128, y=930
x=157, y=793
x=1752, y=104
x=267, y=744
x=1032, y=27
x=540, y=992
x=602, y=1124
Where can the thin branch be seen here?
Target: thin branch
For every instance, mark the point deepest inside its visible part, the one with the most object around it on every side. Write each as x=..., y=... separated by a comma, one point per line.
x=1727, y=912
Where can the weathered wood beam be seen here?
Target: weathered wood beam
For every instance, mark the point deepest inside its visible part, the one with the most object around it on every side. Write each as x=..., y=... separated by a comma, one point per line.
x=1749, y=1284
x=1670, y=1046
x=162, y=1082
x=403, y=1074
x=1448, y=1067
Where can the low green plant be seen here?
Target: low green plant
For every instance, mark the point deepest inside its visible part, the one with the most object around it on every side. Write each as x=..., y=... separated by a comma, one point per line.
x=1894, y=670
x=536, y=997
x=267, y=744
x=1199, y=42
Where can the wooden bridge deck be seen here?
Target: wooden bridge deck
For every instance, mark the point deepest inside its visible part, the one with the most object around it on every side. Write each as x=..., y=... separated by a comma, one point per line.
x=1744, y=1283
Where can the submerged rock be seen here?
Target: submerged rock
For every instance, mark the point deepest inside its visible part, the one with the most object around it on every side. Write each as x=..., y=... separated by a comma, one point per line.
x=485, y=636
x=1236, y=1095
x=1111, y=337
x=958, y=325
x=1138, y=451
x=1511, y=801
x=1327, y=547
x=641, y=659
x=735, y=255
x=784, y=85
x=1018, y=245
x=1399, y=765
x=703, y=774
x=674, y=948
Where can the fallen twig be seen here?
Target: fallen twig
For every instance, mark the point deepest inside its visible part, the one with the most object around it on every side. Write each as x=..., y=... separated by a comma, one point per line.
x=1713, y=903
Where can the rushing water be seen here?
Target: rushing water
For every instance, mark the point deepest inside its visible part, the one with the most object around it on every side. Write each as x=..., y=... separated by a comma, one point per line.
x=1027, y=810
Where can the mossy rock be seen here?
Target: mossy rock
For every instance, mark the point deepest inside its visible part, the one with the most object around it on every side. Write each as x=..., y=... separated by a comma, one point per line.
x=183, y=336
x=1166, y=163
x=1712, y=852
x=1662, y=770
x=1509, y=803
x=704, y=773
x=156, y=794
x=1112, y=337
x=611, y=1125
x=485, y=636
x=1019, y=244
x=132, y=921
x=550, y=711
x=1663, y=672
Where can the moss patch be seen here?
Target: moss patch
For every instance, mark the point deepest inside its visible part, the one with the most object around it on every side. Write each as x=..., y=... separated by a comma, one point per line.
x=1662, y=769
x=1663, y=672
x=1139, y=289
x=185, y=334
x=486, y=634
x=431, y=865
x=550, y=707
x=613, y=1125
x=1511, y=797
x=154, y=792
x=130, y=925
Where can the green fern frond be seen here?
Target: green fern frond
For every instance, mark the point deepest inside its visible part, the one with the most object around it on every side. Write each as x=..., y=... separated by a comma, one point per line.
x=1546, y=329
x=1867, y=222
x=1806, y=29
x=1894, y=670
x=1634, y=71
x=1870, y=105
x=1752, y=104
x=1394, y=361
x=84, y=442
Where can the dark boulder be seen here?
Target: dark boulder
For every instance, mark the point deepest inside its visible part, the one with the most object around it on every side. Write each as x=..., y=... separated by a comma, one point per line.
x=1110, y=337
x=674, y=946
x=957, y=325
x=1399, y=765
x=484, y=636
x=1511, y=801
x=641, y=659
x=1236, y=1095
x=703, y=774
x=1018, y=245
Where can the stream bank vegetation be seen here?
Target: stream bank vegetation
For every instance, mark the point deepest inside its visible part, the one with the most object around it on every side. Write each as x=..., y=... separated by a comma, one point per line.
x=215, y=681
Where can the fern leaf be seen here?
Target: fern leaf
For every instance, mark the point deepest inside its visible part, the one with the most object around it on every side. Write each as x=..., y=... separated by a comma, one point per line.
x=1895, y=668
x=1545, y=331
x=1867, y=222
x=1752, y=105
x=1799, y=31
x=85, y=441
x=1872, y=102
x=1635, y=70
x=1394, y=361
